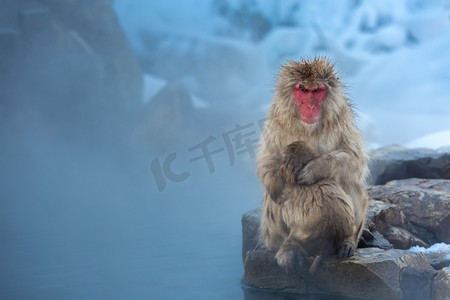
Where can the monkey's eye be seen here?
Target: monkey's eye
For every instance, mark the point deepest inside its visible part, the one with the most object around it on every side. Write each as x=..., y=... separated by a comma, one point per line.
x=302, y=88
x=318, y=90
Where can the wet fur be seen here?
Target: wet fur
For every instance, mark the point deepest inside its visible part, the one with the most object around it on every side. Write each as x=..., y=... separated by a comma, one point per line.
x=341, y=167
x=320, y=216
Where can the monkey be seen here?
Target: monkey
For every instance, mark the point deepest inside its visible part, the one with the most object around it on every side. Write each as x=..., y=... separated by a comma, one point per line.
x=319, y=216
x=310, y=106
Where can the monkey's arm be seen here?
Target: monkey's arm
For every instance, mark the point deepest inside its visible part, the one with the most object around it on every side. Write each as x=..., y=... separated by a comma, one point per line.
x=343, y=165
x=270, y=175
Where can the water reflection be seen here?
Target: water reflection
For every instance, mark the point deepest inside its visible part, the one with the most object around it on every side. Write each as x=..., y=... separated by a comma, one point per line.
x=262, y=294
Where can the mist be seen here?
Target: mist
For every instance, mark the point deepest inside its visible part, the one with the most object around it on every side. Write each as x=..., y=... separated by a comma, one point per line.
x=121, y=172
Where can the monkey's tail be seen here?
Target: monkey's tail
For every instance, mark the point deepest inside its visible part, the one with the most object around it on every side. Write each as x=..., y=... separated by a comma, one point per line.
x=317, y=260
x=324, y=251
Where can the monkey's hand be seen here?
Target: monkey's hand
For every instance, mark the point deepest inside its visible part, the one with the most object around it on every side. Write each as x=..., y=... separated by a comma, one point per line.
x=314, y=170
x=275, y=188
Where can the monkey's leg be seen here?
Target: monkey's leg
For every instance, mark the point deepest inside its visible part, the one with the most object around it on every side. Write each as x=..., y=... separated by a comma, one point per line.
x=290, y=253
x=360, y=202
x=273, y=229
x=348, y=247
x=286, y=256
x=351, y=242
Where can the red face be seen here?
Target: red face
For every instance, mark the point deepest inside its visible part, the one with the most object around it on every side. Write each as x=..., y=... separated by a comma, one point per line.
x=309, y=100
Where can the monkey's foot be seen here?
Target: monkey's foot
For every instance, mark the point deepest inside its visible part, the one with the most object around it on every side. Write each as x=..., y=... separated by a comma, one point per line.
x=286, y=259
x=347, y=249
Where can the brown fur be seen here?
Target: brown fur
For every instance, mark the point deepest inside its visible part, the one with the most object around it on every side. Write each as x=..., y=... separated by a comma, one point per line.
x=320, y=216
x=295, y=157
x=334, y=137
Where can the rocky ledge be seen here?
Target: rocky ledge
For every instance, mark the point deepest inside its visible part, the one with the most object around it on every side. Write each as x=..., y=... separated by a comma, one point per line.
x=402, y=214
x=396, y=162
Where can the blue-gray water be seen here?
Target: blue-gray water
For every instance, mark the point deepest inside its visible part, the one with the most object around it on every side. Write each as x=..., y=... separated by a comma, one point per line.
x=88, y=222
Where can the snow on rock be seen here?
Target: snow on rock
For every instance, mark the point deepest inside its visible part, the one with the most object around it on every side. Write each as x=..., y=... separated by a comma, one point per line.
x=436, y=248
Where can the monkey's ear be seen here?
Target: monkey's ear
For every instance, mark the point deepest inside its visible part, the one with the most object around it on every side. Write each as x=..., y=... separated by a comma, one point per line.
x=283, y=171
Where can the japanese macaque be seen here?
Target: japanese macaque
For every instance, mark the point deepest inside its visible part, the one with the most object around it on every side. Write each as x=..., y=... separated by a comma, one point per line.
x=319, y=216
x=309, y=106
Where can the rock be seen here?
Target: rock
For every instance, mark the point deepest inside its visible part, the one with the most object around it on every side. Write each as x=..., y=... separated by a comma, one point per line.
x=262, y=271
x=438, y=255
x=438, y=185
x=441, y=285
x=371, y=273
x=375, y=240
x=424, y=202
x=175, y=103
x=82, y=77
x=438, y=260
x=381, y=215
x=165, y=53
x=396, y=162
x=155, y=132
x=416, y=282
x=402, y=239
x=390, y=221
x=97, y=24
x=250, y=230
x=402, y=213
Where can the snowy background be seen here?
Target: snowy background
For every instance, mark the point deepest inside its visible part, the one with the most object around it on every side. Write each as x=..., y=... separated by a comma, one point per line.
x=393, y=55
x=141, y=217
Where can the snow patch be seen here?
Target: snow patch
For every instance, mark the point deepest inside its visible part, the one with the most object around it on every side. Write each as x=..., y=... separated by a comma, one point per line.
x=436, y=248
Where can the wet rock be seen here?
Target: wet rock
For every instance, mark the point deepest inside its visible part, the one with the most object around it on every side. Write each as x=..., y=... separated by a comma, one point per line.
x=396, y=162
x=401, y=213
x=424, y=202
x=416, y=283
x=441, y=285
x=250, y=230
x=262, y=271
x=371, y=273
